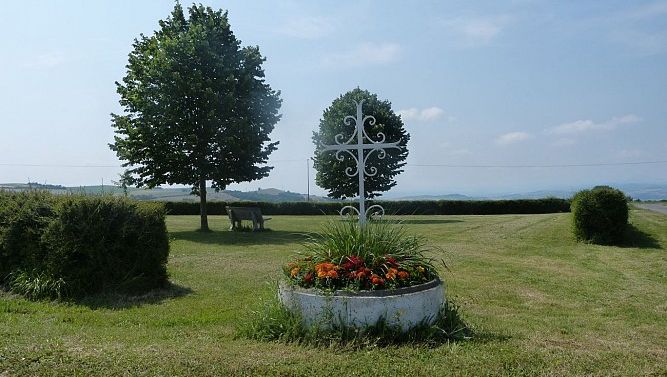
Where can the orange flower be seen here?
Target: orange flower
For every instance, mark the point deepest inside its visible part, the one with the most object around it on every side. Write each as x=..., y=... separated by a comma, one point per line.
x=294, y=272
x=376, y=280
x=391, y=274
x=403, y=275
x=325, y=266
x=327, y=270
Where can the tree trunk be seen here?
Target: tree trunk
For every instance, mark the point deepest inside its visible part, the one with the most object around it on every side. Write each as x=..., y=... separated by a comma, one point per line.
x=202, y=206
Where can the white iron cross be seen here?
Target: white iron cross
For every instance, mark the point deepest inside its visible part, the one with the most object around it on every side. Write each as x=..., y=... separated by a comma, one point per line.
x=361, y=159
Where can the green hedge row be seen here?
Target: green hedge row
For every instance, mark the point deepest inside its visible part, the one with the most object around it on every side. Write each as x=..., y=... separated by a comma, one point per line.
x=71, y=245
x=417, y=207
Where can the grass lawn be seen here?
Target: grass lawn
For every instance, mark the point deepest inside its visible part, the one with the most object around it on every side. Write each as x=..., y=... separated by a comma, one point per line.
x=540, y=303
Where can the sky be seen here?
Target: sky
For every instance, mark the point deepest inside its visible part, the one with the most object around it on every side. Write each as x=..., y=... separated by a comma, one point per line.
x=497, y=96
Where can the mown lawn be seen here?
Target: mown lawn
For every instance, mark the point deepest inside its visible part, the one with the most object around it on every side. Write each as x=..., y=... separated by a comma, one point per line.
x=540, y=304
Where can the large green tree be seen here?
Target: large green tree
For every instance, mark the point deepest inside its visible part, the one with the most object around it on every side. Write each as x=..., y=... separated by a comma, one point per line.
x=196, y=106
x=331, y=172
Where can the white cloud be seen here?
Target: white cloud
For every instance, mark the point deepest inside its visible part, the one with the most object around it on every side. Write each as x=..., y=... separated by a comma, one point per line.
x=512, y=137
x=634, y=28
x=46, y=60
x=630, y=153
x=452, y=150
x=579, y=126
x=646, y=11
x=365, y=54
x=641, y=42
x=424, y=115
x=308, y=27
x=475, y=30
x=459, y=152
x=563, y=142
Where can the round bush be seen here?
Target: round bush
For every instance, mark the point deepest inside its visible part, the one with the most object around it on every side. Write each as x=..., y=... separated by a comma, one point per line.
x=600, y=215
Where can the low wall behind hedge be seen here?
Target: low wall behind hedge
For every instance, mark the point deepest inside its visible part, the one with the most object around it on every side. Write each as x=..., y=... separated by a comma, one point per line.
x=417, y=207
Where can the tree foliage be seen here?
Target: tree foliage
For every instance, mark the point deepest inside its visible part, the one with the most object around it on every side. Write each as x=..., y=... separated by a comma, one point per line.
x=196, y=106
x=331, y=172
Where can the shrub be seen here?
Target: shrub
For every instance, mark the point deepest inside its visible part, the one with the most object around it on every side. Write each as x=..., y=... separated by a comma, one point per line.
x=77, y=245
x=407, y=207
x=600, y=215
x=23, y=218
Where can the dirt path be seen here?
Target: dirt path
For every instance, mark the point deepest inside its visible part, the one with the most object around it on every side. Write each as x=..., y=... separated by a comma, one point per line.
x=653, y=207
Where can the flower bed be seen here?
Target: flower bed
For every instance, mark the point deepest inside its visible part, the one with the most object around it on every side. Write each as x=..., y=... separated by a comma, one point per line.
x=356, y=276
x=354, y=273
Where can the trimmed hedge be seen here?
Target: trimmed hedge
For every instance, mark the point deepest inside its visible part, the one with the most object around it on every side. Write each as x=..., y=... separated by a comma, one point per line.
x=600, y=215
x=59, y=246
x=417, y=207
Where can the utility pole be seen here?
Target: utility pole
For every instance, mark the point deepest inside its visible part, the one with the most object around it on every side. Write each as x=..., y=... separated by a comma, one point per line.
x=308, y=178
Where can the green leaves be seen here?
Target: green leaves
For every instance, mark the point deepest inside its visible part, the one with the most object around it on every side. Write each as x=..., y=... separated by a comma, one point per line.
x=196, y=107
x=331, y=172
x=600, y=215
x=195, y=103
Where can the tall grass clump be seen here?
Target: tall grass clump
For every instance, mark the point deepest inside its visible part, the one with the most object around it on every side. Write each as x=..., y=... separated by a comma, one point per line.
x=600, y=215
x=345, y=255
x=271, y=321
x=37, y=285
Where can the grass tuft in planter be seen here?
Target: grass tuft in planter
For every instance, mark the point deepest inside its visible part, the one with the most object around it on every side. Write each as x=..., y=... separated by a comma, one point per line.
x=345, y=255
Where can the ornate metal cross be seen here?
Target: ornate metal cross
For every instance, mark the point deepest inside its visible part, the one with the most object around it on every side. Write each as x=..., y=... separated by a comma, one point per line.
x=345, y=145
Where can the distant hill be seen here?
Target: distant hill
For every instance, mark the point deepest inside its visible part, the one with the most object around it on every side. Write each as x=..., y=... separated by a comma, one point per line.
x=438, y=197
x=636, y=191
x=172, y=194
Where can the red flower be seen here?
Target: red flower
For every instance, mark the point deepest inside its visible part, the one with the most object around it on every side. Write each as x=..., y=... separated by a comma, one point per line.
x=390, y=261
x=403, y=275
x=353, y=263
x=308, y=278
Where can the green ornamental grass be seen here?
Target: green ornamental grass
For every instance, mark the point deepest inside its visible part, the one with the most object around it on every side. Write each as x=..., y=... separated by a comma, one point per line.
x=344, y=255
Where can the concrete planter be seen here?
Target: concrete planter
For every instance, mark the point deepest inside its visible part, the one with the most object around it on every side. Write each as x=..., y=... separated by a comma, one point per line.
x=404, y=307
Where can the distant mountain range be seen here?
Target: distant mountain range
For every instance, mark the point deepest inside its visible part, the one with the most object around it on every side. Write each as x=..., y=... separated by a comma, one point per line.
x=636, y=191
x=172, y=194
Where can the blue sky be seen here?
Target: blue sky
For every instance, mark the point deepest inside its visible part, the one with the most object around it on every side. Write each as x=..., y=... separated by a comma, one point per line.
x=477, y=83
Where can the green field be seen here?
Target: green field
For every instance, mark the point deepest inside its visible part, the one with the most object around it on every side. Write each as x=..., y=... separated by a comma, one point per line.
x=540, y=304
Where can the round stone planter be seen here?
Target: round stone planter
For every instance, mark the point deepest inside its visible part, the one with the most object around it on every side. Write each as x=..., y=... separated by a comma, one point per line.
x=403, y=307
